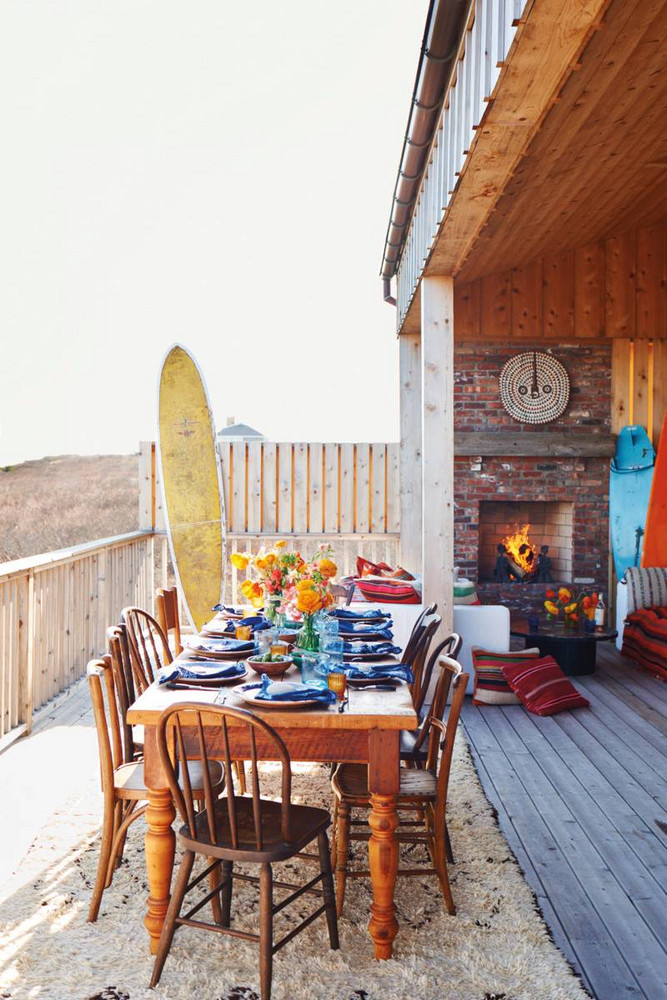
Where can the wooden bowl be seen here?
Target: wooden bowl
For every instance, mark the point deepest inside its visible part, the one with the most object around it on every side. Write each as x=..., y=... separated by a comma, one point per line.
x=274, y=669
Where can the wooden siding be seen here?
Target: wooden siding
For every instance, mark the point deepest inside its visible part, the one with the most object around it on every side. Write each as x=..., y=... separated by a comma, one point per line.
x=615, y=288
x=296, y=488
x=580, y=797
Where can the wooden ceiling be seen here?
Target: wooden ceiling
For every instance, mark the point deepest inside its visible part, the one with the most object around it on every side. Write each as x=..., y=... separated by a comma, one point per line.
x=598, y=164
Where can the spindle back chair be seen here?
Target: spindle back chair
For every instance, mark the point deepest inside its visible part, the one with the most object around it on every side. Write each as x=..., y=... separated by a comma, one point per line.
x=418, y=664
x=124, y=681
x=414, y=743
x=167, y=614
x=148, y=646
x=236, y=828
x=417, y=630
x=421, y=791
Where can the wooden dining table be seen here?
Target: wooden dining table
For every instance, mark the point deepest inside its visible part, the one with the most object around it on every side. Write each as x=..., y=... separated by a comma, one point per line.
x=368, y=731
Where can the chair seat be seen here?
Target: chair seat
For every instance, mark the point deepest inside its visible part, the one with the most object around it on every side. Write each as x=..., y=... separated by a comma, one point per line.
x=408, y=749
x=306, y=823
x=350, y=782
x=130, y=781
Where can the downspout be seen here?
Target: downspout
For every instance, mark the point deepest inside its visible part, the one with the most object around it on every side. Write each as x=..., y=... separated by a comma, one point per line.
x=386, y=292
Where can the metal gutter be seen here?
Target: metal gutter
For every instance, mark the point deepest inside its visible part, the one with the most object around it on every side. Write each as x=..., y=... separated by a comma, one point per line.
x=445, y=23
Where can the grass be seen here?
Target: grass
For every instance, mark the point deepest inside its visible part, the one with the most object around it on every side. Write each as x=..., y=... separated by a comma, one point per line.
x=56, y=502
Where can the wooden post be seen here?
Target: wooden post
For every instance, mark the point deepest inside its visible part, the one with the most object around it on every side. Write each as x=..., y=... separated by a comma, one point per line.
x=410, y=457
x=437, y=366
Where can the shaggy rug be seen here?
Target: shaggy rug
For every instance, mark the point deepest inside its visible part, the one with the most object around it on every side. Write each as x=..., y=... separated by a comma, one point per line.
x=496, y=948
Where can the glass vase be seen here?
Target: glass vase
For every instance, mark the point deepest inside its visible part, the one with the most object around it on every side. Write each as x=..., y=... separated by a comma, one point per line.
x=271, y=605
x=308, y=638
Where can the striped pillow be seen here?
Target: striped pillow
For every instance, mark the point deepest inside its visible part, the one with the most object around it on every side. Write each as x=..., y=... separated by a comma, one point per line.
x=491, y=688
x=387, y=591
x=542, y=687
x=647, y=588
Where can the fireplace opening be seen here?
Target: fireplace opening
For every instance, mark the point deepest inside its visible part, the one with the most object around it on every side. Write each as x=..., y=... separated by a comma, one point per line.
x=522, y=528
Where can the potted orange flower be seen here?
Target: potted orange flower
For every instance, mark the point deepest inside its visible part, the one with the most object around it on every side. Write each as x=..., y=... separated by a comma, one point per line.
x=572, y=607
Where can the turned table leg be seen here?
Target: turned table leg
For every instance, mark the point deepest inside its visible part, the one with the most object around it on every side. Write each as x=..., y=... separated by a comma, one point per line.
x=160, y=841
x=383, y=780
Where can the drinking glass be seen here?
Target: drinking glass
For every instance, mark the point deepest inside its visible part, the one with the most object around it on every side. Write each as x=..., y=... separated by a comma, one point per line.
x=337, y=682
x=313, y=670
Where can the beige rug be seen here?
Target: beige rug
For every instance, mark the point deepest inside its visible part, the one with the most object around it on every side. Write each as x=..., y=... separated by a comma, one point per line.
x=496, y=948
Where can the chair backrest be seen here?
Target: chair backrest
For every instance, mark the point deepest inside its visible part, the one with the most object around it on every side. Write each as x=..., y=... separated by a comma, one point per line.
x=107, y=722
x=417, y=630
x=121, y=665
x=442, y=735
x=342, y=592
x=182, y=738
x=148, y=645
x=451, y=646
x=449, y=667
x=418, y=664
x=166, y=612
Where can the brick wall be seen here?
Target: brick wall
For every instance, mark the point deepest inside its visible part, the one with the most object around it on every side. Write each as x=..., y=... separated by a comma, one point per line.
x=584, y=482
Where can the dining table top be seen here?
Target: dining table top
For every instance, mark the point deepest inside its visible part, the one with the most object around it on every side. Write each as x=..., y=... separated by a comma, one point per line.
x=366, y=708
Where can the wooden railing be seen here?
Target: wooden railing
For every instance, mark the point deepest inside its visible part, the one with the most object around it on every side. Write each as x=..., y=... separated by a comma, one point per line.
x=54, y=611
x=295, y=488
x=484, y=47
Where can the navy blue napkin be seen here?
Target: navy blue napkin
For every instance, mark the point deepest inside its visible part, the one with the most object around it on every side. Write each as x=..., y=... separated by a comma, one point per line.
x=348, y=629
x=196, y=670
x=383, y=672
x=370, y=647
x=256, y=623
x=268, y=690
x=228, y=608
x=345, y=613
x=215, y=645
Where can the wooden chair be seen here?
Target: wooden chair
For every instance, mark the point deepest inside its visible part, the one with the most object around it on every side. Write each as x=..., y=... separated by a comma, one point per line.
x=423, y=791
x=343, y=593
x=419, y=661
x=166, y=612
x=414, y=743
x=148, y=646
x=121, y=665
x=249, y=830
x=123, y=784
x=417, y=631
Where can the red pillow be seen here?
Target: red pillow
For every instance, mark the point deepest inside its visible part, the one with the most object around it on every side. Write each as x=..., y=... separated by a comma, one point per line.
x=387, y=591
x=542, y=686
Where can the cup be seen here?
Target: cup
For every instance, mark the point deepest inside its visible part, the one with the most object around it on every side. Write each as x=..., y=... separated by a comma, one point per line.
x=278, y=648
x=337, y=682
x=313, y=670
x=244, y=632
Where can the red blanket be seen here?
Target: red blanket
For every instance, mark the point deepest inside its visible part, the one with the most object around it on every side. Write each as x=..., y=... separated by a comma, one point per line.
x=645, y=639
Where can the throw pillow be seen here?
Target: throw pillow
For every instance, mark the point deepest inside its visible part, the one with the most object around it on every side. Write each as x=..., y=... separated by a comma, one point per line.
x=465, y=592
x=647, y=588
x=542, y=687
x=381, y=591
x=491, y=688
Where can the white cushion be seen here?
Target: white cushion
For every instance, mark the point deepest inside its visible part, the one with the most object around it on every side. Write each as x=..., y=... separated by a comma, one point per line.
x=486, y=625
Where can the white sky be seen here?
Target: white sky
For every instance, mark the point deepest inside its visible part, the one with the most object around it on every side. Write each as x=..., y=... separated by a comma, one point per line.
x=216, y=173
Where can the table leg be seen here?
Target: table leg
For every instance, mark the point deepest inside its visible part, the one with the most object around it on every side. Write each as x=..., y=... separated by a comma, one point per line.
x=160, y=842
x=383, y=781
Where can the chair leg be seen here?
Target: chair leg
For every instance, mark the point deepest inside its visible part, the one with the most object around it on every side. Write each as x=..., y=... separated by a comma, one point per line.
x=448, y=847
x=265, y=931
x=226, y=892
x=441, y=864
x=334, y=828
x=120, y=834
x=103, y=861
x=342, y=848
x=328, y=890
x=239, y=767
x=173, y=911
x=214, y=883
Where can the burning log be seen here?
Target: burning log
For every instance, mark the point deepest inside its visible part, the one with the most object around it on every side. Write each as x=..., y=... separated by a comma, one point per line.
x=521, y=553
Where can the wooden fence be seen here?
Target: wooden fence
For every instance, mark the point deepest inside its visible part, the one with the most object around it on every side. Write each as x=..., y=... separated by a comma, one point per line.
x=54, y=612
x=298, y=488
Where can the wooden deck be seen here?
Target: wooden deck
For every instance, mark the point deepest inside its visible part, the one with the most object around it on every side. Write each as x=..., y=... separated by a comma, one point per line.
x=581, y=798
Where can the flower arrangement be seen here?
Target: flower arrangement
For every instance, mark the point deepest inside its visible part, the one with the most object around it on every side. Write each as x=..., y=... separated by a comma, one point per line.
x=583, y=605
x=286, y=581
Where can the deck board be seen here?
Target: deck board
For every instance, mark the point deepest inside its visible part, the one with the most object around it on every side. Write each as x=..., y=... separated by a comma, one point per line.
x=579, y=796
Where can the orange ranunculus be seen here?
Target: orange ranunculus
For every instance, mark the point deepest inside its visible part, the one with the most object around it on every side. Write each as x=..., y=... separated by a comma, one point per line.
x=306, y=584
x=551, y=594
x=329, y=599
x=246, y=587
x=328, y=568
x=594, y=600
x=270, y=558
x=574, y=618
x=564, y=594
x=260, y=563
x=308, y=602
x=552, y=608
x=280, y=544
x=586, y=603
x=239, y=560
x=590, y=613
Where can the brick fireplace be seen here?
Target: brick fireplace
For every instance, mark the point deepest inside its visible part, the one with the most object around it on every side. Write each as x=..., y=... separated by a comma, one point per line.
x=564, y=497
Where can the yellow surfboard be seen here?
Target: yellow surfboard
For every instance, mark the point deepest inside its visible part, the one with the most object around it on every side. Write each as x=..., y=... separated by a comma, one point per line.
x=191, y=484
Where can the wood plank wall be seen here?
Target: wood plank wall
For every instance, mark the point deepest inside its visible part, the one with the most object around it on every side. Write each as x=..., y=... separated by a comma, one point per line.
x=296, y=488
x=613, y=289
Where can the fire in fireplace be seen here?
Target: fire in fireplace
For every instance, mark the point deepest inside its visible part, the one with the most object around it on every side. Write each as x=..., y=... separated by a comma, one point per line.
x=519, y=540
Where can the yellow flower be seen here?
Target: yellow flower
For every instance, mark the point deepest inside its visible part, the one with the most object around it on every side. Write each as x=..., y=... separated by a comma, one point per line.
x=247, y=587
x=564, y=594
x=280, y=544
x=260, y=563
x=307, y=584
x=571, y=608
x=552, y=608
x=270, y=558
x=328, y=568
x=308, y=602
x=239, y=560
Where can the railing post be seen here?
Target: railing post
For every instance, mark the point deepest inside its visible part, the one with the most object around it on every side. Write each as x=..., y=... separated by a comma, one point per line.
x=27, y=651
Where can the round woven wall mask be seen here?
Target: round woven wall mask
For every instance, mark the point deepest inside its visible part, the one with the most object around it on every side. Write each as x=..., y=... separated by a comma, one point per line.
x=534, y=387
